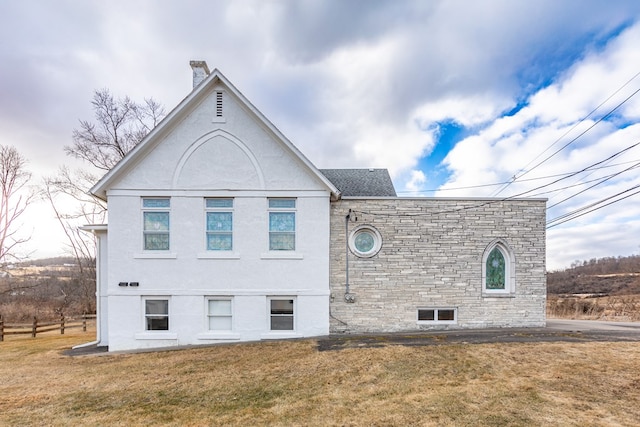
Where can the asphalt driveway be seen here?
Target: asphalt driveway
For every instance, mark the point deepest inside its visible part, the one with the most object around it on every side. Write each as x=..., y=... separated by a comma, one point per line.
x=557, y=330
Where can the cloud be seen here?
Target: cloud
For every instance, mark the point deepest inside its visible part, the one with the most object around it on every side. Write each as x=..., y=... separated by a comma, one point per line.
x=596, y=240
x=552, y=118
x=523, y=145
x=352, y=84
x=416, y=181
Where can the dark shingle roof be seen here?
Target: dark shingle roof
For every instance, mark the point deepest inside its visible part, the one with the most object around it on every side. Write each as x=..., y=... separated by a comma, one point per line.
x=361, y=182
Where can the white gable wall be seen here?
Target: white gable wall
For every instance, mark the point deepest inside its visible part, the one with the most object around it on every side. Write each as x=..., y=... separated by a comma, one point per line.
x=200, y=140
x=201, y=156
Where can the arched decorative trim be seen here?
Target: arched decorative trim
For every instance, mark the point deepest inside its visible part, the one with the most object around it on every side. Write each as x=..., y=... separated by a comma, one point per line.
x=207, y=137
x=498, y=269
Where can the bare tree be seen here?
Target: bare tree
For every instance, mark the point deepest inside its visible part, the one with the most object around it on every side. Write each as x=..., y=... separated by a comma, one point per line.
x=14, y=199
x=74, y=206
x=120, y=125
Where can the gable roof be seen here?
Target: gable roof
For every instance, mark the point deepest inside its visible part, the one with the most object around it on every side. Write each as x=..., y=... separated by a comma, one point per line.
x=188, y=104
x=361, y=182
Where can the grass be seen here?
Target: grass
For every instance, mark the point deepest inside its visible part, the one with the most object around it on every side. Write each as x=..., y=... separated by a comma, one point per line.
x=291, y=383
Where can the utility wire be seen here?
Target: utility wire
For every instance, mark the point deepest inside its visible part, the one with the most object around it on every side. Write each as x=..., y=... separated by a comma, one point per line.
x=569, y=186
x=524, y=180
x=583, y=210
x=515, y=177
x=492, y=201
x=590, y=205
x=594, y=185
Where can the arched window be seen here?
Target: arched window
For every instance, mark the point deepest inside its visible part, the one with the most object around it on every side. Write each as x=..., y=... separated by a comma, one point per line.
x=498, y=269
x=495, y=268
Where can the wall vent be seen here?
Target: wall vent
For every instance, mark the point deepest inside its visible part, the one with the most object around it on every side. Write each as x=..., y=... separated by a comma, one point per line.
x=219, y=104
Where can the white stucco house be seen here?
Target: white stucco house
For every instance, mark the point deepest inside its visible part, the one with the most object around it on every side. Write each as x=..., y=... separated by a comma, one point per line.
x=221, y=230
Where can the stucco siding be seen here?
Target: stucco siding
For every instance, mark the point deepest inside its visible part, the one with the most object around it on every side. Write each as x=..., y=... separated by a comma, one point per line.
x=200, y=155
x=236, y=152
x=187, y=274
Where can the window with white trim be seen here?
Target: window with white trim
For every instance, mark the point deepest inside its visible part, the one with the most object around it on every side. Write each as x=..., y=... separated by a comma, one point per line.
x=365, y=241
x=220, y=314
x=281, y=314
x=156, y=314
x=155, y=218
x=282, y=224
x=219, y=224
x=498, y=269
x=437, y=315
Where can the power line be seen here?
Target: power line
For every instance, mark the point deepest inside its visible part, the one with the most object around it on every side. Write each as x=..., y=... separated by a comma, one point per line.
x=595, y=185
x=576, y=173
x=504, y=182
x=515, y=177
x=488, y=202
x=569, y=186
x=583, y=210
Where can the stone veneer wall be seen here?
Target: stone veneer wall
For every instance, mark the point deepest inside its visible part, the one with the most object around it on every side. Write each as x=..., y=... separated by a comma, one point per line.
x=431, y=257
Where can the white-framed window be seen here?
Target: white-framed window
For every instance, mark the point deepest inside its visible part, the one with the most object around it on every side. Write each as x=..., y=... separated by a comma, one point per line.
x=437, y=315
x=282, y=314
x=365, y=241
x=156, y=314
x=282, y=224
x=219, y=314
x=498, y=269
x=155, y=219
x=219, y=224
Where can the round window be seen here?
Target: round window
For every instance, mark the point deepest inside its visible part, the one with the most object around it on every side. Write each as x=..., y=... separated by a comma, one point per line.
x=365, y=241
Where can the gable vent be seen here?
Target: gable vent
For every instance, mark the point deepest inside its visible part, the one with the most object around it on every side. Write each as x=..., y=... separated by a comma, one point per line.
x=218, y=104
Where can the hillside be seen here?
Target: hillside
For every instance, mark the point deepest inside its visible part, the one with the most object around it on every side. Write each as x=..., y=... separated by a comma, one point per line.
x=46, y=289
x=605, y=276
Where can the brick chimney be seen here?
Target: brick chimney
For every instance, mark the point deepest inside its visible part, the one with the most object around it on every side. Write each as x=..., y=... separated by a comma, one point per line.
x=200, y=71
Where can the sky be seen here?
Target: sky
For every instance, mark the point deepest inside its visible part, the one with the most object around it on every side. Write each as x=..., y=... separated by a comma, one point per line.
x=490, y=98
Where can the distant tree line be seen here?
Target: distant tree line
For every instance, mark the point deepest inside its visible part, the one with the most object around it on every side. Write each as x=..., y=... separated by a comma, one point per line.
x=46, y=293
x=606, y=265
x=608, y=275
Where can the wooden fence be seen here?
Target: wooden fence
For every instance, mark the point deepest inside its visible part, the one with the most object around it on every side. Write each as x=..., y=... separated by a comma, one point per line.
x=37, y=327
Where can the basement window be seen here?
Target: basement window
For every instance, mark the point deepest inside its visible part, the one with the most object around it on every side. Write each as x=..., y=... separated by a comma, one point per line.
x=437, y=315
x=156, y=314
x=219, y=314
x=281, y=314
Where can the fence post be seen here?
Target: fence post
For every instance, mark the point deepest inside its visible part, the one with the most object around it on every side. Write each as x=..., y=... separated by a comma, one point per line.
x=1, y=329
x=34, y=328
x=62, y=324
x=84, y=323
